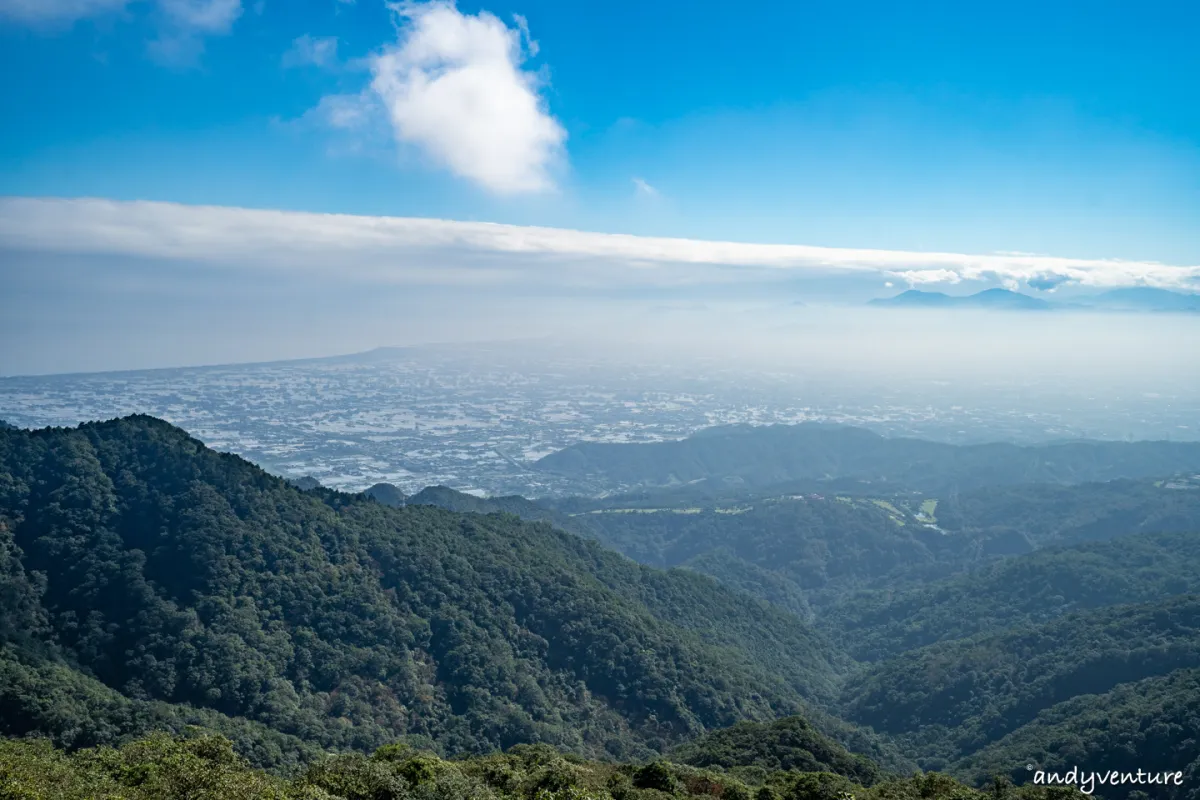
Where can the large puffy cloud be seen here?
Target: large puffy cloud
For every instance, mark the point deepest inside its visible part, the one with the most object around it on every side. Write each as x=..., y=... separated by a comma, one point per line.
x=453, y=86
x=412, y=250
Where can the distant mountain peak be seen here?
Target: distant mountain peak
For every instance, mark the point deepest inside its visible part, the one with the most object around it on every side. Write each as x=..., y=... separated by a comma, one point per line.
x=1130, y=298
x=1145, y=298
x=916, y=298
x=989, y=298
x=386, y=493
x=305, y=484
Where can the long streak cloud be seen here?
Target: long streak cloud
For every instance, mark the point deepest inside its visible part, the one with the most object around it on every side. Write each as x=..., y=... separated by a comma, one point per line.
x=432, y=251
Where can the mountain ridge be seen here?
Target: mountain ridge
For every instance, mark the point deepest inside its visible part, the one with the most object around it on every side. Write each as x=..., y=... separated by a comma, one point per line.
x=200, y=579
x=757, y=456
x=999, y=299
x=1144, y=299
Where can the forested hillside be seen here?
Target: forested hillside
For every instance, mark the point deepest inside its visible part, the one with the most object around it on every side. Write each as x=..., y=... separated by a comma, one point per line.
x=948, y=700
x=1135, y=726
x=205, y=767
x=387, y=494
x=801, y=550
x=768, y=455
x=791, y=544
x=172, y=573
x=790, y=646
x=1047, y=514
x=1015, y=593
x=786, y=744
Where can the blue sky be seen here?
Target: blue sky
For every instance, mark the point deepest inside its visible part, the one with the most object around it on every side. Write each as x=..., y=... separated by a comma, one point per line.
x=1061, y=129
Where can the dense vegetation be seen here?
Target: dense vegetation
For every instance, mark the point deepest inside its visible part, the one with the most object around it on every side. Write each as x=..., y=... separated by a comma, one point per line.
x=763, y=456
x=1016, y=593
x=387, y=494
x=206, y=767
x=171, y=573
x=1042, y=514
x=149, y=585
x=1014, y=641
x=528, y=510
x=810, y=550
x=812, y=541
x=786, y=744
x=1149, y=725
x=950, y=699
x=767, y=584
x=73, y=710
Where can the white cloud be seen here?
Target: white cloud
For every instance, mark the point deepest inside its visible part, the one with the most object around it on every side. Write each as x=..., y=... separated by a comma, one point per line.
x=642, y=187
x=56, y=12
x=411, y=250
x=185, y=23
x=202, y=16
x=454, y=87
x=917, y=277
x=182, y=23
x=308, y=50
x=344, y=111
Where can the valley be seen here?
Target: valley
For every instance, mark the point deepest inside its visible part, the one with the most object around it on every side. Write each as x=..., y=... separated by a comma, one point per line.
x=164, y=586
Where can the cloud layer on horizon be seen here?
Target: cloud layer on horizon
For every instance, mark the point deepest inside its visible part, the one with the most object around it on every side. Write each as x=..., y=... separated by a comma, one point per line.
x=398, y=250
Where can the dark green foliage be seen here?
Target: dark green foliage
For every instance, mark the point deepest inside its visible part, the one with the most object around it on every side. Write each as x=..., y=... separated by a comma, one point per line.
x=953, y=698
x=786, y=744
x=719, y=617
x=174, y=574
x=205, y=767
x=76, y=711
x=805, y=543
x=1017, y=592
x=655, y=775
x=776, y=588
x=725, y=619
x=620, y=786
x=764, y=456
x=356, y=777
x=1149, y=725
x=387, y=494
x=23, y=621
x=150, y=584
x=818, y=786
x=452, y=500
x=735, y=792
x=803, y=553
x=528, y=510
x=1048, y=514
